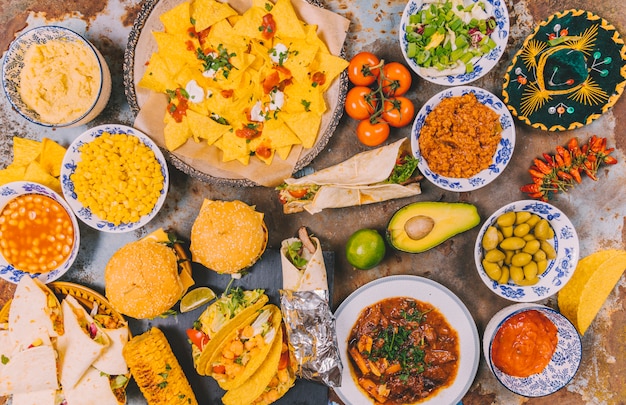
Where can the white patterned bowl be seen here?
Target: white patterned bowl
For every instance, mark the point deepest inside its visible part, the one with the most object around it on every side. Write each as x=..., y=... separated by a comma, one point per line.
x=559, y=270
x=14, y=63
x=482, y=65
x=563, y=365
x=504, y=150
x=12, y=190
x=73, y=156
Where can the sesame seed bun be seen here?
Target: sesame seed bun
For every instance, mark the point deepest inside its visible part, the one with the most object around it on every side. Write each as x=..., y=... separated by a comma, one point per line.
x=142, y=280
x=228, y=236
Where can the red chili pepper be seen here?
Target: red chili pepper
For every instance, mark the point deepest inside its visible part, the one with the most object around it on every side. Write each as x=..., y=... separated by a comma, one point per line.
x=565, y=155
x=572, y=145
x=575, y=172
x=609, y=160
x=559, y=161
x=548, y=159
x=530, y=188
x=564, y=175
x=536, y=174
x=542, y=166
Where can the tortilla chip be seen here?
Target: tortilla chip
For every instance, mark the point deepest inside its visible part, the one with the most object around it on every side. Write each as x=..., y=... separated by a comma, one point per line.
x=25, y=150
x=249, y=23
x=157, y=76
x=175, y=133
x=203, y=127
x=234, y=147
x=52, y=157
x=306, y=126
x=177, y=20
x=209, y=12
x=287, y=21
x=37, y=174
x=12, y=173
x=284, y=151
x=330, y=65
x=173, y=53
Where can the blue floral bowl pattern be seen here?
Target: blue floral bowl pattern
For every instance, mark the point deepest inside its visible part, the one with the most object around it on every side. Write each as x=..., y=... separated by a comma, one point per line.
x=482, y=65
x=71, y=159
x=559, y=270
x=563, y=365
x=501, y=158
x=14, y=63
x=12, y=190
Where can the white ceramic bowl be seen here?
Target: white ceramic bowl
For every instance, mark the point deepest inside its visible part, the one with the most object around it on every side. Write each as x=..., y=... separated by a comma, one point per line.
x=503, y=153
x=12, y=190
x=563, y=365
x=559, y=270
x=482, y=65
x=14, y=63
x=73, y=156
x=421, y=289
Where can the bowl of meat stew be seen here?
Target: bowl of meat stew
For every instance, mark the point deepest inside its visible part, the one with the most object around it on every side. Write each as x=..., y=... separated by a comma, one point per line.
x=404, y=340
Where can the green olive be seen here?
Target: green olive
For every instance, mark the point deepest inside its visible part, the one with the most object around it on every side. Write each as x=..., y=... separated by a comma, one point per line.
x=532, y=221
x=506, y=220
x=543, y=230
x=529, y=281
x=504, y=278
x=521, y=259
x=508, y=254
x=490, y=238
x=507, y=231
x=530, y=270
x=494, y=256
x=531, y=247
x=512, y=243
x=542, y=265
x=521, y=217
x=492, y=269
x=548, y=249
x=516, y=273
x=539, y=255
x=521, y=230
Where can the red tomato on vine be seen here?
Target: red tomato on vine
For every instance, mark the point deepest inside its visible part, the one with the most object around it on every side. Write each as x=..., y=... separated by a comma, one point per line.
x=360, y=102
x=372, y=134
x=398, y=111
x=363, y=70
x=395, y=79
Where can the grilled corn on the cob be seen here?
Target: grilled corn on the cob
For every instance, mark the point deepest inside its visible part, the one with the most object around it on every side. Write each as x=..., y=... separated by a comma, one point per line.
x=156, y=370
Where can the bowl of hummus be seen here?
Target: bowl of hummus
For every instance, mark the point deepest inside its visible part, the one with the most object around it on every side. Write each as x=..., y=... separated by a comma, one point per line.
x=54, y=77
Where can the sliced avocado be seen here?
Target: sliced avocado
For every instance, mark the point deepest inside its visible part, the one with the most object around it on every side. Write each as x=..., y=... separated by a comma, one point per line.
x=423, y=225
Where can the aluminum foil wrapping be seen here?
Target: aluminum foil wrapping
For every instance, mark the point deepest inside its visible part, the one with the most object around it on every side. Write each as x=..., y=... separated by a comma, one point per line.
x=311, y=332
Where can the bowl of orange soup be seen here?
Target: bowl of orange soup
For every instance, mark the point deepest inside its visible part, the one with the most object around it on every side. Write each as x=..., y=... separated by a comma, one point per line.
x=39, y=234
x=532, y=349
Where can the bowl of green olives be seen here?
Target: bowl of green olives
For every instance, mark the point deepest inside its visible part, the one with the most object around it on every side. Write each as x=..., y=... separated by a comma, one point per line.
x=526, y=251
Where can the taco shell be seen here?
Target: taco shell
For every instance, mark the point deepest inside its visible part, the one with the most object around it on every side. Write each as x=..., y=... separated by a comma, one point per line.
x=266, y=378
x=236, y=374
x=216, y=327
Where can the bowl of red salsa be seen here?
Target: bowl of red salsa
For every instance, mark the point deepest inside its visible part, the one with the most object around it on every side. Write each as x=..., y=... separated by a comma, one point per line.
x=532, y=349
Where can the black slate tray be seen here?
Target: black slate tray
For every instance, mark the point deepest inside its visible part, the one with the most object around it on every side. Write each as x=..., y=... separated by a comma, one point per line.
x=266, y=274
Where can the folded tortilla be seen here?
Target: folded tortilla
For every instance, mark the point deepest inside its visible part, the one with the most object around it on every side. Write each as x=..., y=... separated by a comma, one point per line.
x=43, y=397
x=28, y=372
x=265, y=378
x=111, y=361
x=77, y=349
x=221, y=317
x=356, y=181
x=312, y=277
x=271, y=317
x=94, y=388
x=35, y=313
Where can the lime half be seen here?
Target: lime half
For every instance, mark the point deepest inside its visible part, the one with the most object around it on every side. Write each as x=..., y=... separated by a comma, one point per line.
x=196, y=298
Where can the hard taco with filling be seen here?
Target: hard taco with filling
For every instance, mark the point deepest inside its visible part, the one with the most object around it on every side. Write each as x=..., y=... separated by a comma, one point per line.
x=373, y=176
x=271, y=380
x=218, y=319
x=245, y=348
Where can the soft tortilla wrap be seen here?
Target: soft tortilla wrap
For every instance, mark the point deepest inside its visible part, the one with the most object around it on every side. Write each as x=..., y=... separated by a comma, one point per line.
x=34, y=314
x=313, y=276
x=356, y=181
x=77, y=350
x=94, y=388
x=43, y=397
x=217, y=323
x=111, y=361
x=258, y=358
x=262, y=378
x=28, y=372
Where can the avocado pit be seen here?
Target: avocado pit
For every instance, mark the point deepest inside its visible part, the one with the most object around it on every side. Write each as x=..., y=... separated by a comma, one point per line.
x=419, y=226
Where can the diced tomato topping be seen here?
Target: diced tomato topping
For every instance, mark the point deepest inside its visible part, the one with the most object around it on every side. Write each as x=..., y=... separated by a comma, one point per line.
x=263, y=151
x=248, y=132
x=319, y=78
x=198, y=338
x=268, y=27
x=227, y=93
x=299, y=193
x=284, y=360
x=272, y=80
x=178, y=110
x=219, y=369
x=190, y=46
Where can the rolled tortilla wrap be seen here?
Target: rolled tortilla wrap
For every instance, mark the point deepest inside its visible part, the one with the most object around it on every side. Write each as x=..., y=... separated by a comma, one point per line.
x=35, y=313
x=43, y=397
x=111, y=361
x=312, y=277
x=94, y=388
x=77, y=349
x=29, y=371
x=356, y=181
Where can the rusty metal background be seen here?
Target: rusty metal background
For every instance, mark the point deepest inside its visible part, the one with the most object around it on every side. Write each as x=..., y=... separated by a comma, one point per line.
x=597, y=209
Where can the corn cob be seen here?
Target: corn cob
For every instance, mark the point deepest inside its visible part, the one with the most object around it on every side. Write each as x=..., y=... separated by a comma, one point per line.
x=156, y=370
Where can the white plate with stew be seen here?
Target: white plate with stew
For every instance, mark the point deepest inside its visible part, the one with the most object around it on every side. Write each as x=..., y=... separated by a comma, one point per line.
x=425, y=291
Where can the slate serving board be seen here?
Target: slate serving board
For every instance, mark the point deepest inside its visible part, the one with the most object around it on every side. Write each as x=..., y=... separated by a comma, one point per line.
x=266, y=274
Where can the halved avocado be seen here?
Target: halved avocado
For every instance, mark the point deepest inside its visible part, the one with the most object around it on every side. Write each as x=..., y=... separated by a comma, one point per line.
x=423, y=225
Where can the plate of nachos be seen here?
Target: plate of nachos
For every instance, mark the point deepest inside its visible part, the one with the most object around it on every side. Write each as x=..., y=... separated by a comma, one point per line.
x=240, y=92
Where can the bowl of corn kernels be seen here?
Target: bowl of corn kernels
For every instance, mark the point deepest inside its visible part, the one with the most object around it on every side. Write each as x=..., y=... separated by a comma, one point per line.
x=39, y=234
x=115, y=178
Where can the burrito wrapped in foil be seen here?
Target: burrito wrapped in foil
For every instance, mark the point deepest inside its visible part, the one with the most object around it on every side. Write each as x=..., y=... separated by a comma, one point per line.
x=306, y=311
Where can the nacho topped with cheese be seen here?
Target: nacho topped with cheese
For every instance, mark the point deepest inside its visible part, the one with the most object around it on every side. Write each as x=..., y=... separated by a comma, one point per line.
x=251, y=84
